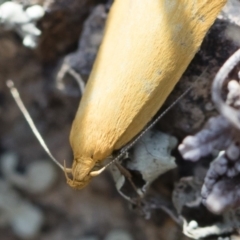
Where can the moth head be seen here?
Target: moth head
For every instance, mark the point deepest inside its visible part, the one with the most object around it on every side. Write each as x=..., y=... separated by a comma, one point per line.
x=78, y=184
x=80, y=173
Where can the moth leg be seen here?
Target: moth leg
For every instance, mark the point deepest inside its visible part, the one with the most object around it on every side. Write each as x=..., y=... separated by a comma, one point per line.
x=128, y=175
x=138, y=200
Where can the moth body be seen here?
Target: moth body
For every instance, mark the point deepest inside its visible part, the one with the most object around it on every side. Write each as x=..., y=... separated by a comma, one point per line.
x=146, y=48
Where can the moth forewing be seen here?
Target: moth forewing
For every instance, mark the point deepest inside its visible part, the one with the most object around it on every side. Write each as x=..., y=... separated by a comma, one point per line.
x=146, y=48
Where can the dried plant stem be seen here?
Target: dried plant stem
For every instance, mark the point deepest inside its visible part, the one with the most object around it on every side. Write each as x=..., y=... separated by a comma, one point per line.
x=66, y=68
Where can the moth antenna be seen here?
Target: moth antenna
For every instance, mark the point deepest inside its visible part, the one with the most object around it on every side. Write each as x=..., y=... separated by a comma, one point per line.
x=30, y=122
x=131, y=144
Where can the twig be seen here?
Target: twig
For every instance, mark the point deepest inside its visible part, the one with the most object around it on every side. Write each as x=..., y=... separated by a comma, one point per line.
x=66, y=68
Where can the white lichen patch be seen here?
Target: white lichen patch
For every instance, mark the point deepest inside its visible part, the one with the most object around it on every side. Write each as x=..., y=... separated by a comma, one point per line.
x=152, y=155
x=23, y=21
x=151, y=158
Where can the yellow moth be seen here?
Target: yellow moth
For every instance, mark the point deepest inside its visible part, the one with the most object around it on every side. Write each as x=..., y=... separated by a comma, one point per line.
x=147, y=46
